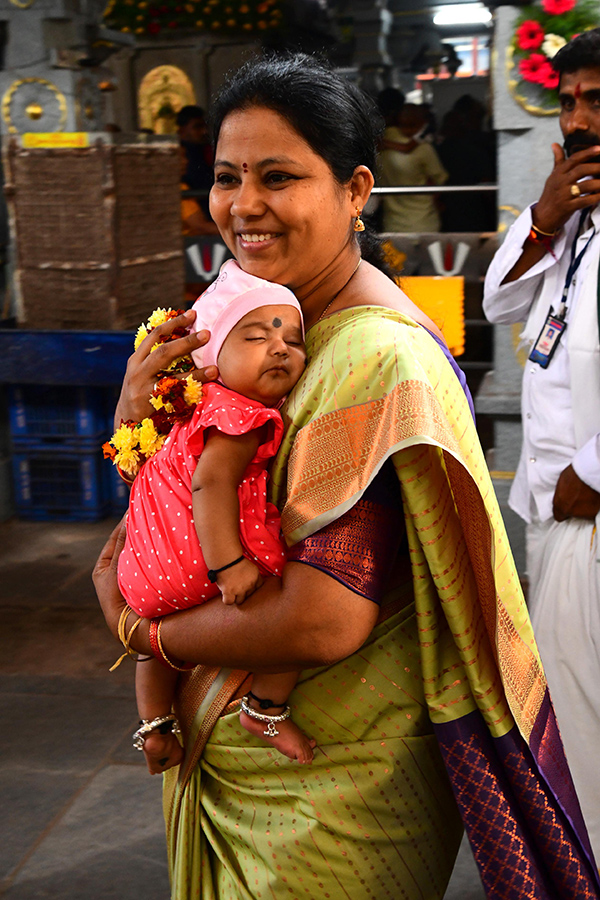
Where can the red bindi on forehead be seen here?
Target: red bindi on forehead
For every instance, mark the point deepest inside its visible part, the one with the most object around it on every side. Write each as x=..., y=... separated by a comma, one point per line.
x=245, y=167
x=577, y=91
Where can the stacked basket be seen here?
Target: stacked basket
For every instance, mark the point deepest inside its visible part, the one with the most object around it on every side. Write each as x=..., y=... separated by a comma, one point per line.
x=58, y=467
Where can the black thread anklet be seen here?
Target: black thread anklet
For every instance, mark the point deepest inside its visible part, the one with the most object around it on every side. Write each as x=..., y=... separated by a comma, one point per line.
x=266, y=704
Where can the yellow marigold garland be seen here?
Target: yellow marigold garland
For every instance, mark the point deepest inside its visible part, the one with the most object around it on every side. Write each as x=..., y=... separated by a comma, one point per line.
x=158, y=317
x=173, y=399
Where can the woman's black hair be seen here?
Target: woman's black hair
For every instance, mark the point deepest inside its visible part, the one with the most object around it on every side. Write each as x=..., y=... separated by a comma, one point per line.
x=582, y=52
x=338, y=121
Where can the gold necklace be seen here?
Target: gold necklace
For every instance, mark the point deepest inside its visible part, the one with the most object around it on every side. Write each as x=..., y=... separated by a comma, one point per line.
x=337, y=293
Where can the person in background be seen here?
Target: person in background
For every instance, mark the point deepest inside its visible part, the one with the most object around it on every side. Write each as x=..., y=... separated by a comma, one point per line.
x=195, y=222
x=193, y=219
x=429, y=131
x=389, y=103
x=192, y=127
x=468, y=154
x=193, y=133
x=546, y=275
x=407, y=161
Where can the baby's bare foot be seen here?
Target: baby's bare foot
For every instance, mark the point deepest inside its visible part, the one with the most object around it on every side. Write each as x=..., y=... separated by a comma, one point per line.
x=162, y=752
x=290, y=741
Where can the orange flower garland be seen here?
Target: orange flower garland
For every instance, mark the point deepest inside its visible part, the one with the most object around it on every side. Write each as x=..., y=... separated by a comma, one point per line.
x=174, y=400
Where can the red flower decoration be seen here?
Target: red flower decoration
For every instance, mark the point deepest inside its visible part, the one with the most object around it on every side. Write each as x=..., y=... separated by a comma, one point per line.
x=547, y=76
x=530, y=68
x=153, y=28
x=530, y=35
x=557, y=7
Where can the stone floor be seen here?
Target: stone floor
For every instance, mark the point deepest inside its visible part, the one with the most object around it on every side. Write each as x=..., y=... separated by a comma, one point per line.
x=81, y=818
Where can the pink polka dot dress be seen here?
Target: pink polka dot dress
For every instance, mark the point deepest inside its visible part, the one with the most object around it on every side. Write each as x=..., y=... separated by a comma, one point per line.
x=161, y=568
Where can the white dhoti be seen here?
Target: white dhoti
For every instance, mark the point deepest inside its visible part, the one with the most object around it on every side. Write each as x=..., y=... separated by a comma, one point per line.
x=564, y=601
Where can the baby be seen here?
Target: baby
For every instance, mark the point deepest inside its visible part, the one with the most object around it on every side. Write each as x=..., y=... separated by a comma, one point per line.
x=199, y=523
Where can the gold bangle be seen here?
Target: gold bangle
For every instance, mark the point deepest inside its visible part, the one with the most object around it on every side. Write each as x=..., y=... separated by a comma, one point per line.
x=164, y=655
x=131, y=652
x=125, y=638
x=122, y=622
x=549, y=234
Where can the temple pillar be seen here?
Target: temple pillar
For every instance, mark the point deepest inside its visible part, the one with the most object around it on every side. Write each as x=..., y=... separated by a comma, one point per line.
x=372, y=24
x=524, y=162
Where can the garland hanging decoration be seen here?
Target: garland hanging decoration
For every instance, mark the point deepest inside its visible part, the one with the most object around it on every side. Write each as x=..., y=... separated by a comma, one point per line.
x=158, y=19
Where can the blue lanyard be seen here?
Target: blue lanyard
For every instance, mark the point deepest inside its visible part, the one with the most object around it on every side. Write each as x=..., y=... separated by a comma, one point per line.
x=574, y=264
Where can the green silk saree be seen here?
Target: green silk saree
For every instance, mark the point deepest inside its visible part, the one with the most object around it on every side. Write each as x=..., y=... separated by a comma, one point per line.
x=452, y=656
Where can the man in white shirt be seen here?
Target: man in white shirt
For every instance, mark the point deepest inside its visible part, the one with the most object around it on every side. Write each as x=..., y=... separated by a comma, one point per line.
x=546, y=274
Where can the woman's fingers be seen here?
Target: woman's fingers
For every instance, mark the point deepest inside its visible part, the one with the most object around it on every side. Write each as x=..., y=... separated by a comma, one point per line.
x=105, y=579
x=158, y=357
x=161, y=358
x=145, y=366
x=210, y=373
x=109, y=555
x=185, y=320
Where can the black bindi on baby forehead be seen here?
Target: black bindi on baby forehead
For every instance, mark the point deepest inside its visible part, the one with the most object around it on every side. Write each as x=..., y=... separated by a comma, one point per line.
x=277, y=323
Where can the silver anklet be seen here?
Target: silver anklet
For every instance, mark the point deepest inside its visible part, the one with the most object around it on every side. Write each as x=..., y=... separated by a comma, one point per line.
x=263, y=717
x=148, y=725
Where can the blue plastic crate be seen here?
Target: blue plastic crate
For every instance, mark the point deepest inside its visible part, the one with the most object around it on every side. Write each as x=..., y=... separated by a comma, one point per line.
x=53, y=413
x=64, y=483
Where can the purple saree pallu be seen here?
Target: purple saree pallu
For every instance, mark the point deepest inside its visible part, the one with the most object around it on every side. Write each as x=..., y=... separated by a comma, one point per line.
x=520, y=810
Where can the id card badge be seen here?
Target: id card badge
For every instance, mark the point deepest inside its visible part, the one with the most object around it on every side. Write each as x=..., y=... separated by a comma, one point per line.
x=548, y=340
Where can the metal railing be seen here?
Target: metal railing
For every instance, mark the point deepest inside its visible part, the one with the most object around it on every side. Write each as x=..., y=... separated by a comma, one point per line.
x=403, y=189
x=436, y=189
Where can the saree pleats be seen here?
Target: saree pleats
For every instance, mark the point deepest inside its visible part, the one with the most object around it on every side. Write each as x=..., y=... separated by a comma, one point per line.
x=372, y=817
x=455, y=670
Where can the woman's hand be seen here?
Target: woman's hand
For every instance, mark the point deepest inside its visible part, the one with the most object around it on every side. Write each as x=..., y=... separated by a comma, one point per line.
x=144, y=366
x=303, y=620
x=104, y=577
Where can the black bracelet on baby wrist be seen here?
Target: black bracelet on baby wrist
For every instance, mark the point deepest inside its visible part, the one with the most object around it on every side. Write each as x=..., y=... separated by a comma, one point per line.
x=212, y=573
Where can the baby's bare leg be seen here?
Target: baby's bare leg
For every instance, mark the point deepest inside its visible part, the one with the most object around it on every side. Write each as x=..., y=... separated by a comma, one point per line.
x=154, y=690
x=290, y=740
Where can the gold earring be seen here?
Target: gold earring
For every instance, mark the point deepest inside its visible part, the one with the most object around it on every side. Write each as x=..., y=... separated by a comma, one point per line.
x=359, y=225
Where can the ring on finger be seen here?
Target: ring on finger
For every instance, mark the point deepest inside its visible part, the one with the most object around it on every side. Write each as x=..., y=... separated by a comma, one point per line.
x=575, y=190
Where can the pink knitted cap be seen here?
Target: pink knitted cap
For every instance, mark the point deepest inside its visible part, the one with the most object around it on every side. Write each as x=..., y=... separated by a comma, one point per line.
x=229, y=299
